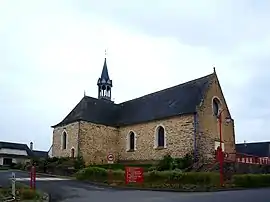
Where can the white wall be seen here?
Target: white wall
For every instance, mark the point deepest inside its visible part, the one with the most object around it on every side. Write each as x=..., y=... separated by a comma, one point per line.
x=50, y=152
x=14, y=160
x=13, y=151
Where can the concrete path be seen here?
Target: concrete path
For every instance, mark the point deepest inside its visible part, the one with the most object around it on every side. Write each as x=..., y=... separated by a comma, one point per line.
x=67, y=190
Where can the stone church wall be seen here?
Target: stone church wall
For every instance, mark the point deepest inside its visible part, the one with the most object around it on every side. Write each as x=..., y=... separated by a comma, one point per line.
x=209, y=125
x=97, y=141
x=72, y=140
x=179, y=132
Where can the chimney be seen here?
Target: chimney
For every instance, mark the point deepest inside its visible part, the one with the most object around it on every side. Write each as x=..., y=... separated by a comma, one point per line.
x=31, y=146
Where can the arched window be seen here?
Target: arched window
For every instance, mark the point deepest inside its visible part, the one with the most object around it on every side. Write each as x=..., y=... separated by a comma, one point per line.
x=160, y=139
x=131, y=141
x=72, y=153
x=64, y=140
x=216, y=106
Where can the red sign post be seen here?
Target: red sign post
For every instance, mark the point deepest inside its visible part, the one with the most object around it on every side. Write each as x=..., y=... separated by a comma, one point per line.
x=33, y=177
x=134, y=175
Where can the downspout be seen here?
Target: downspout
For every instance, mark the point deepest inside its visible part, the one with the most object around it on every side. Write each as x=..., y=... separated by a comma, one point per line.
x=195, y=136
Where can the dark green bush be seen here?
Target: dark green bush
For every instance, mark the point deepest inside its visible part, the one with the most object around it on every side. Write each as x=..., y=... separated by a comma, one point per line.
x=166, y=163
x=18, y=166
x=79, y=163
x=252, y=180
x=183, y=163
x=169, y=163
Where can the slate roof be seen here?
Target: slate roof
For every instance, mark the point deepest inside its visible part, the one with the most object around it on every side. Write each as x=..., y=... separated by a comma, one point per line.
x=18, y=146
x=177, y=100
x=40, y=154
x=260, y=149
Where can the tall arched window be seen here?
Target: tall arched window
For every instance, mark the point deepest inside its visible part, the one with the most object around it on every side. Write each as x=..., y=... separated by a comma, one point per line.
x=131, y=141
x=72, y=153
x=216, y=106
x=64, y=140
x=160, y=138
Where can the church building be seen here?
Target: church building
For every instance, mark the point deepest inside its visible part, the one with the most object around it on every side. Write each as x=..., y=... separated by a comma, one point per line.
x=178, y=120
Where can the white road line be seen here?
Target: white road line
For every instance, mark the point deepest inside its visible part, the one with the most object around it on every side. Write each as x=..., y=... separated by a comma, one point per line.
x=42, y=179
x=94, y=187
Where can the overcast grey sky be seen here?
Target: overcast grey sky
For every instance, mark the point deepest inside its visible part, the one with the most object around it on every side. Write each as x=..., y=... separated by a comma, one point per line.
x=53, y=50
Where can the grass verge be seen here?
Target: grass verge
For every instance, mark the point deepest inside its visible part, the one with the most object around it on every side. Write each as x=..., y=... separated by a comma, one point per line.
x=23, y=193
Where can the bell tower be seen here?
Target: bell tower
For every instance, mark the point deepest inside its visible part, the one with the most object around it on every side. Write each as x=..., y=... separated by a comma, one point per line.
x=104, y=83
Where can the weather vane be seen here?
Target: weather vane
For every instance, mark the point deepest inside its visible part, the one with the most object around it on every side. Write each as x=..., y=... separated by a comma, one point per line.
x=105, y=53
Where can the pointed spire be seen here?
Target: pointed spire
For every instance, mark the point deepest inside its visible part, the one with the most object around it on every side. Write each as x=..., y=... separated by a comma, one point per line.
x=105, y=74
x=214, y=69
x=84, y=93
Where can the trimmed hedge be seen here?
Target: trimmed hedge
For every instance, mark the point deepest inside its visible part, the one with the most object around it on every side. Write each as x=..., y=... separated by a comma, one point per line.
x=153, y=178
x=117, y=166
x=252, y=180
x=176, y=177
x=92, y=173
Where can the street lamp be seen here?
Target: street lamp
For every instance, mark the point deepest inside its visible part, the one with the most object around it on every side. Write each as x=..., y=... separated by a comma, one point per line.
x=220, y=152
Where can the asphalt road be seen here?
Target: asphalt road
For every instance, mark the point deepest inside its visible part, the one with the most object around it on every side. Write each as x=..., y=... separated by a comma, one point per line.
x=63, y=190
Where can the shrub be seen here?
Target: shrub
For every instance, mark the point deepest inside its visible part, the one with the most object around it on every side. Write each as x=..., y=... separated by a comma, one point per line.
x=183, y=163
x=169, y=163
x=79, y=163
x=92, y=173
x=166, y=163
x=18, y=166
x=252, y=180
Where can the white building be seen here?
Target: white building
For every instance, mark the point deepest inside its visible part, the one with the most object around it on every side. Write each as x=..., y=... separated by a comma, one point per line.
x=18, y=153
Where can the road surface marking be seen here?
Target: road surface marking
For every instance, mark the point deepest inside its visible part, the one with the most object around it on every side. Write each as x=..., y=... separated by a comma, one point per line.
x=42, y=179
x=94, y=187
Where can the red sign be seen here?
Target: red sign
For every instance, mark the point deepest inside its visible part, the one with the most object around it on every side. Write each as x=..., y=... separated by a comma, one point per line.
x=133, y=175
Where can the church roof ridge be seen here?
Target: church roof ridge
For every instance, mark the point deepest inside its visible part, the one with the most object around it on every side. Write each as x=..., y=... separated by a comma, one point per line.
x=169, y=88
